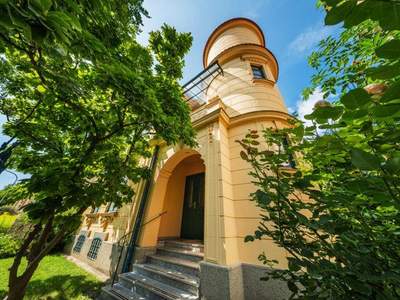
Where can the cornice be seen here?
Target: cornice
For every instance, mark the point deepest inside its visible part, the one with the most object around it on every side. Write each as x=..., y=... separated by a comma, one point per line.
x=236, y=22
x=251, y=52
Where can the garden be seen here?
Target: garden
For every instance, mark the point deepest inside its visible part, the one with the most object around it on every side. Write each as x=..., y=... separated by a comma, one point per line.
x=56, y=277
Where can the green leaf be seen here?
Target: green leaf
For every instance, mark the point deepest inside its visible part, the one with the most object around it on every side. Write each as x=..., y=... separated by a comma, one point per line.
x=42, y=5
x=387, y=13
x=21, y=24
x=39, y=33
x=384, y=72
x=364, y=160
x=355, y=98
x=384, y=111
x=392, y=93
x=5, y=20
x=393, y=164
x=292, y=286
x=324, y=113
x=262, y=197
x=338, y=13
x=292, y=264
x=358, y=15
x=354, y=114
x=41, y=89
x=390, y=50
x=243, y=155
x=248, y=238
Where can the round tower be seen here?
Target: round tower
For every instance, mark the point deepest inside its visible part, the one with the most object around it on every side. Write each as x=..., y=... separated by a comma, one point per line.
x=250, y=69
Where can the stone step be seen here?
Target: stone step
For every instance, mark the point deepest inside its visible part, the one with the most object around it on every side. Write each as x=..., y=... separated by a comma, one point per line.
x=152, y=289
x=119, y=292
x=176, y=264
x=181, y=253
x=195, y=246
x=170, y=277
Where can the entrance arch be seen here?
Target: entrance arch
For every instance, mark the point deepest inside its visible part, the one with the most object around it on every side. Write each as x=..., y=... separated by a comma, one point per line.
x=168, y=209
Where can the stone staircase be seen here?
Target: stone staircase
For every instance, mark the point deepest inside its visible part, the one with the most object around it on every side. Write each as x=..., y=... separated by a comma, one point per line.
x=171, y=273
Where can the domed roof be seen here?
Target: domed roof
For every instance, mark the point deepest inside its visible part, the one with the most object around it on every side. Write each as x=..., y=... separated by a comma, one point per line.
x=231, y=33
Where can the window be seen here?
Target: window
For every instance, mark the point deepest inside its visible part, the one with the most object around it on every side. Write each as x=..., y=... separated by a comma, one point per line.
x=290, y=163
x=79, y=243
x=112, y=207
x=94, y=249
x=95, y=210
x=258, y=72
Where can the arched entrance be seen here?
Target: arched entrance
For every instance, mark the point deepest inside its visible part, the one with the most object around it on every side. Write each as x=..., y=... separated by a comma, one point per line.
x=176, y=207
x=184, y=201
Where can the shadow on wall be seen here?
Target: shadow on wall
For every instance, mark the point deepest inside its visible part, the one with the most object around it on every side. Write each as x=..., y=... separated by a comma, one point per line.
x=116, y=253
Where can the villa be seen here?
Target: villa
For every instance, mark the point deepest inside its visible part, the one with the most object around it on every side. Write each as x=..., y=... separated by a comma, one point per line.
x=182, y=236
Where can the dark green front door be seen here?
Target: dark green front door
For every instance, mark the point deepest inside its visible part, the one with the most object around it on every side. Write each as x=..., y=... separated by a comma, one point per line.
x=193, y=208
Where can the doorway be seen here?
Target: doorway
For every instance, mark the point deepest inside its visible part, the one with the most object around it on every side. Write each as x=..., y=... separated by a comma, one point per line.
x=193, y=208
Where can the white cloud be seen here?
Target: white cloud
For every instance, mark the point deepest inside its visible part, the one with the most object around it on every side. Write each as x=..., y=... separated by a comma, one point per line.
x=309, y=38
x=305, y=107
x=255, y=10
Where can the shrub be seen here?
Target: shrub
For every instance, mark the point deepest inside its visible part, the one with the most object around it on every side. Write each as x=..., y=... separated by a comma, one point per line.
x=8, y=245
x=6, y=221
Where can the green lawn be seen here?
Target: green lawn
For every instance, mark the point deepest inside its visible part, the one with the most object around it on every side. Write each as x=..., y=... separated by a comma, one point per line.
x=55, y=279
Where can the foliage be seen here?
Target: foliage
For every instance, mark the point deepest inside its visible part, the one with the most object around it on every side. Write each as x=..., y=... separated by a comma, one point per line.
x=8, y=245
x=6, y=221
x=83, y=99
x=56, y=279
x=337, y=215
x=13, y=193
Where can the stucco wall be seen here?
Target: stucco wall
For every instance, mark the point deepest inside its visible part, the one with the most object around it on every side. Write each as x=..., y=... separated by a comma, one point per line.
x=173, y=204
x=241, y=94
x=232, y=37
x=242, y=216
x=107, y=256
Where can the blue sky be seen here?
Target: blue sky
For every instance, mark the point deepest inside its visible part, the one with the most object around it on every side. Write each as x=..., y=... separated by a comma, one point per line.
x=292, y=29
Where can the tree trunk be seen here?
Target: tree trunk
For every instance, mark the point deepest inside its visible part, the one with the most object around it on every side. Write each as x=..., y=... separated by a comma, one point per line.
x=17, y=284
x=17, y=288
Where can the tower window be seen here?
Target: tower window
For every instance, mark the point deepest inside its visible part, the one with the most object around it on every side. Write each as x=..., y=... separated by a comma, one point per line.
x=258, y=72
x=79, y=243
x=290, y=163
x=94, y=249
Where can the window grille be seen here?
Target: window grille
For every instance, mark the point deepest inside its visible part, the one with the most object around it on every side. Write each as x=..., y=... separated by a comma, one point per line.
x=95, y=210
x=258, y=72
x=94, y=249
x=79, y=243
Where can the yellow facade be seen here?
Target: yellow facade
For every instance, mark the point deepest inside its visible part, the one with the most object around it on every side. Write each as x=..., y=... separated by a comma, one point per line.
x=236, y=102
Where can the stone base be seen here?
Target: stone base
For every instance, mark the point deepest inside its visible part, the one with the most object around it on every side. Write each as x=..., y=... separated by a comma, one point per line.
x=239, y=282
x=107, y=258
x=141, y=252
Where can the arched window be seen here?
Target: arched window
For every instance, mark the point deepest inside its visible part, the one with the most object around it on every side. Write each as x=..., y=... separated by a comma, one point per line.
x=94, y=249
x=79, y=243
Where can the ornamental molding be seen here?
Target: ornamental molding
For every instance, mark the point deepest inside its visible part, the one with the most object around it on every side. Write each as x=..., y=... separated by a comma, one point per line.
x=90, y=219
x=106, y=219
